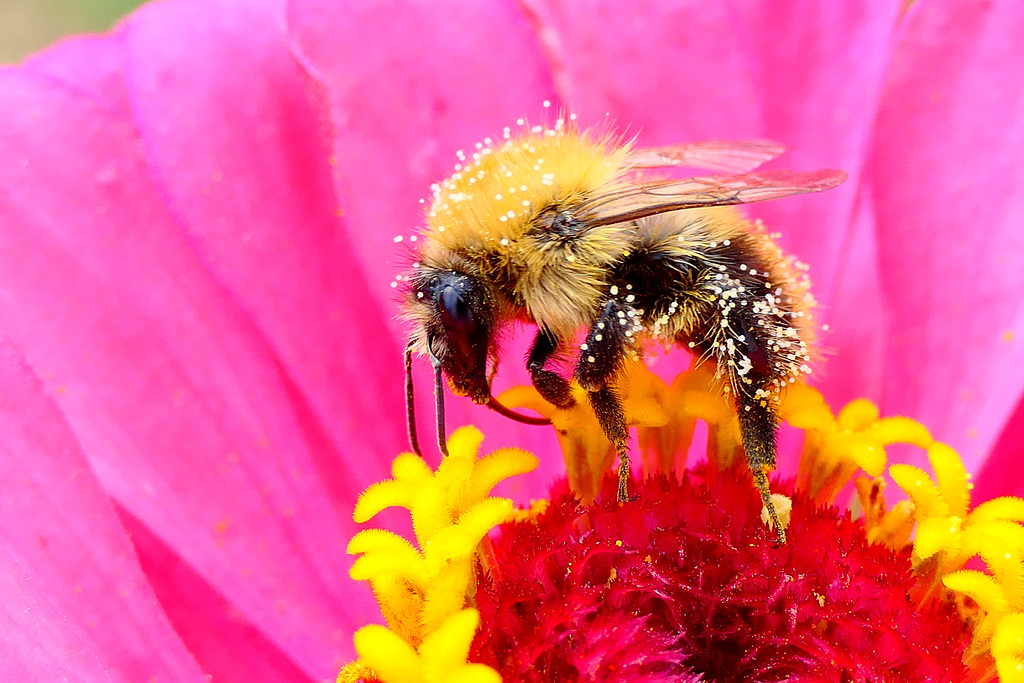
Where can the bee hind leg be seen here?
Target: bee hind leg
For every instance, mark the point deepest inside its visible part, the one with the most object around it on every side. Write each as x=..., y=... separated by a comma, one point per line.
x=758, y=428
x=600, y=362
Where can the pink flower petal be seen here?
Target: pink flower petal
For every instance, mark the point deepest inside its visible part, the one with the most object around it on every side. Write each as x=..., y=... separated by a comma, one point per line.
x=230, y=131
x=184, y=411
x=947, y=183
x=1002, y=472
x=90, y=65
x=406, y=85
x=854, y=344
x=76, y=605
x=227, y=645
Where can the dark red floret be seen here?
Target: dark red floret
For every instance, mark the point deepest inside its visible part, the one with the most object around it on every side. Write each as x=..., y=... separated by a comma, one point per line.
x=686, y=584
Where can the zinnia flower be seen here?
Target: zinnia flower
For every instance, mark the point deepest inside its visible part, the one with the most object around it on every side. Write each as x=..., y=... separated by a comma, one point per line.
x=202, y=365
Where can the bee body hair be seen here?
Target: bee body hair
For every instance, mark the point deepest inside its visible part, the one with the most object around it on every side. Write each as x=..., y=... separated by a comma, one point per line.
x=557, y=227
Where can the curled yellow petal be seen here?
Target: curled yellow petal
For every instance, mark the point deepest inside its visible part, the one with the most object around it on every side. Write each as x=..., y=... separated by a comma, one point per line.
x=380, y=540
x=451, y=543
x=473, y=673
x=1005, y=507
x=936, y=534
x=465, y=442
x=380, y=496
x=989, y=595
x=900, y=430
x=423, y=590
x=392, y=659
x=409, y=566
x=410, y=468
x=1008, y=648
x=446, y=594
x=498, y=466
x=448, y=646
x=485, y=515
x=951, y=478
x=857, y=414
x=867, y=453
x=1007, y=568
x=921, y=489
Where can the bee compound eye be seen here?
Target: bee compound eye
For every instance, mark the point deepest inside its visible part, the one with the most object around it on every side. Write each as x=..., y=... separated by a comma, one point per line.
x=455, y=310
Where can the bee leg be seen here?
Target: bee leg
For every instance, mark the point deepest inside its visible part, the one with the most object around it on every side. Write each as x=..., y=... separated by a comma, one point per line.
x=550, y=385
x=442, y=435
x=758, y=428
x=410, y=402
x=756, y=409
x=599, y=364
x=608, y=408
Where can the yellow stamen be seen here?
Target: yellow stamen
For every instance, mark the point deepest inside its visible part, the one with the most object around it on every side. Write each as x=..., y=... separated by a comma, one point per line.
x=949, y=534
x=835, y=448
x=1008, y=649
x=424, y=589
x=588, y=452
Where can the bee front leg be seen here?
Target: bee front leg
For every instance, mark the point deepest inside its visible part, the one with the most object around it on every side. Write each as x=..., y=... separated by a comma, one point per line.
x=548, y=384
x=601, y=359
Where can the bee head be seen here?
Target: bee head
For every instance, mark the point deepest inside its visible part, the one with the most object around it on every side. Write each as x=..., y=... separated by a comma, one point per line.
x=457, y=328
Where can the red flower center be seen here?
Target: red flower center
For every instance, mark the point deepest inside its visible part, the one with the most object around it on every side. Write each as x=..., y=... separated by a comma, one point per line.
x=687, y=584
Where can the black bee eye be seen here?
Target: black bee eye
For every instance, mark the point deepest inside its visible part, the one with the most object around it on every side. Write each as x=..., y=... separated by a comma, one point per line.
x=455, y=311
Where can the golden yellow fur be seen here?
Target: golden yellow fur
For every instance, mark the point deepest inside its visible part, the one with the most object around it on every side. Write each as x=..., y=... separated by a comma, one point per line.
x=485, y=211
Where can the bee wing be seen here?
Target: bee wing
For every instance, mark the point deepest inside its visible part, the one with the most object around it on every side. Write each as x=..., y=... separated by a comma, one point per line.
x=648, y=199
x=740, y=156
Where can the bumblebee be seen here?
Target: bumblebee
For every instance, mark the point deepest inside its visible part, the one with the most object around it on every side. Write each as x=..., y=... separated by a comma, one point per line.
x=566, y=229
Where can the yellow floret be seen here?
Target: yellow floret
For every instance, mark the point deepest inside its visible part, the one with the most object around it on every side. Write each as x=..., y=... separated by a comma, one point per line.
x=423, y=589
x=949, y=534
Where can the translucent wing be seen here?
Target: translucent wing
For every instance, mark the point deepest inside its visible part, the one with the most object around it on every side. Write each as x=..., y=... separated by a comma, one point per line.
x=740, y=156
x=648, y=199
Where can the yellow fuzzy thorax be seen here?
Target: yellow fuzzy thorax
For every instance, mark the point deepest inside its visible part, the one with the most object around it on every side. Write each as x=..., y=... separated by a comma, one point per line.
x=494, y=194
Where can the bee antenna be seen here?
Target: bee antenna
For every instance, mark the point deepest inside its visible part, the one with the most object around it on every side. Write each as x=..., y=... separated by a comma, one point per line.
x=410, y=401
x=493, y=404
x=442, y=444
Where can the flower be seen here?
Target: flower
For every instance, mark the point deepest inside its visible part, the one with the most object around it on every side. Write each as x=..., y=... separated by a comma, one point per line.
x=198, y=212
x=686, y=582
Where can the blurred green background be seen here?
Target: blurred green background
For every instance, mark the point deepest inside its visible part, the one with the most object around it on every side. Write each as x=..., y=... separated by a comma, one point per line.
x=30, y=25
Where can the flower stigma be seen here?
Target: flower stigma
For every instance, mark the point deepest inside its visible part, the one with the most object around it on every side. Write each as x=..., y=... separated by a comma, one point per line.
x=686, y=582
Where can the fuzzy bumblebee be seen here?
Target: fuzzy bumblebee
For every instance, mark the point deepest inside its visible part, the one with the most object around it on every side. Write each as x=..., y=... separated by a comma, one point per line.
x=560, y=228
